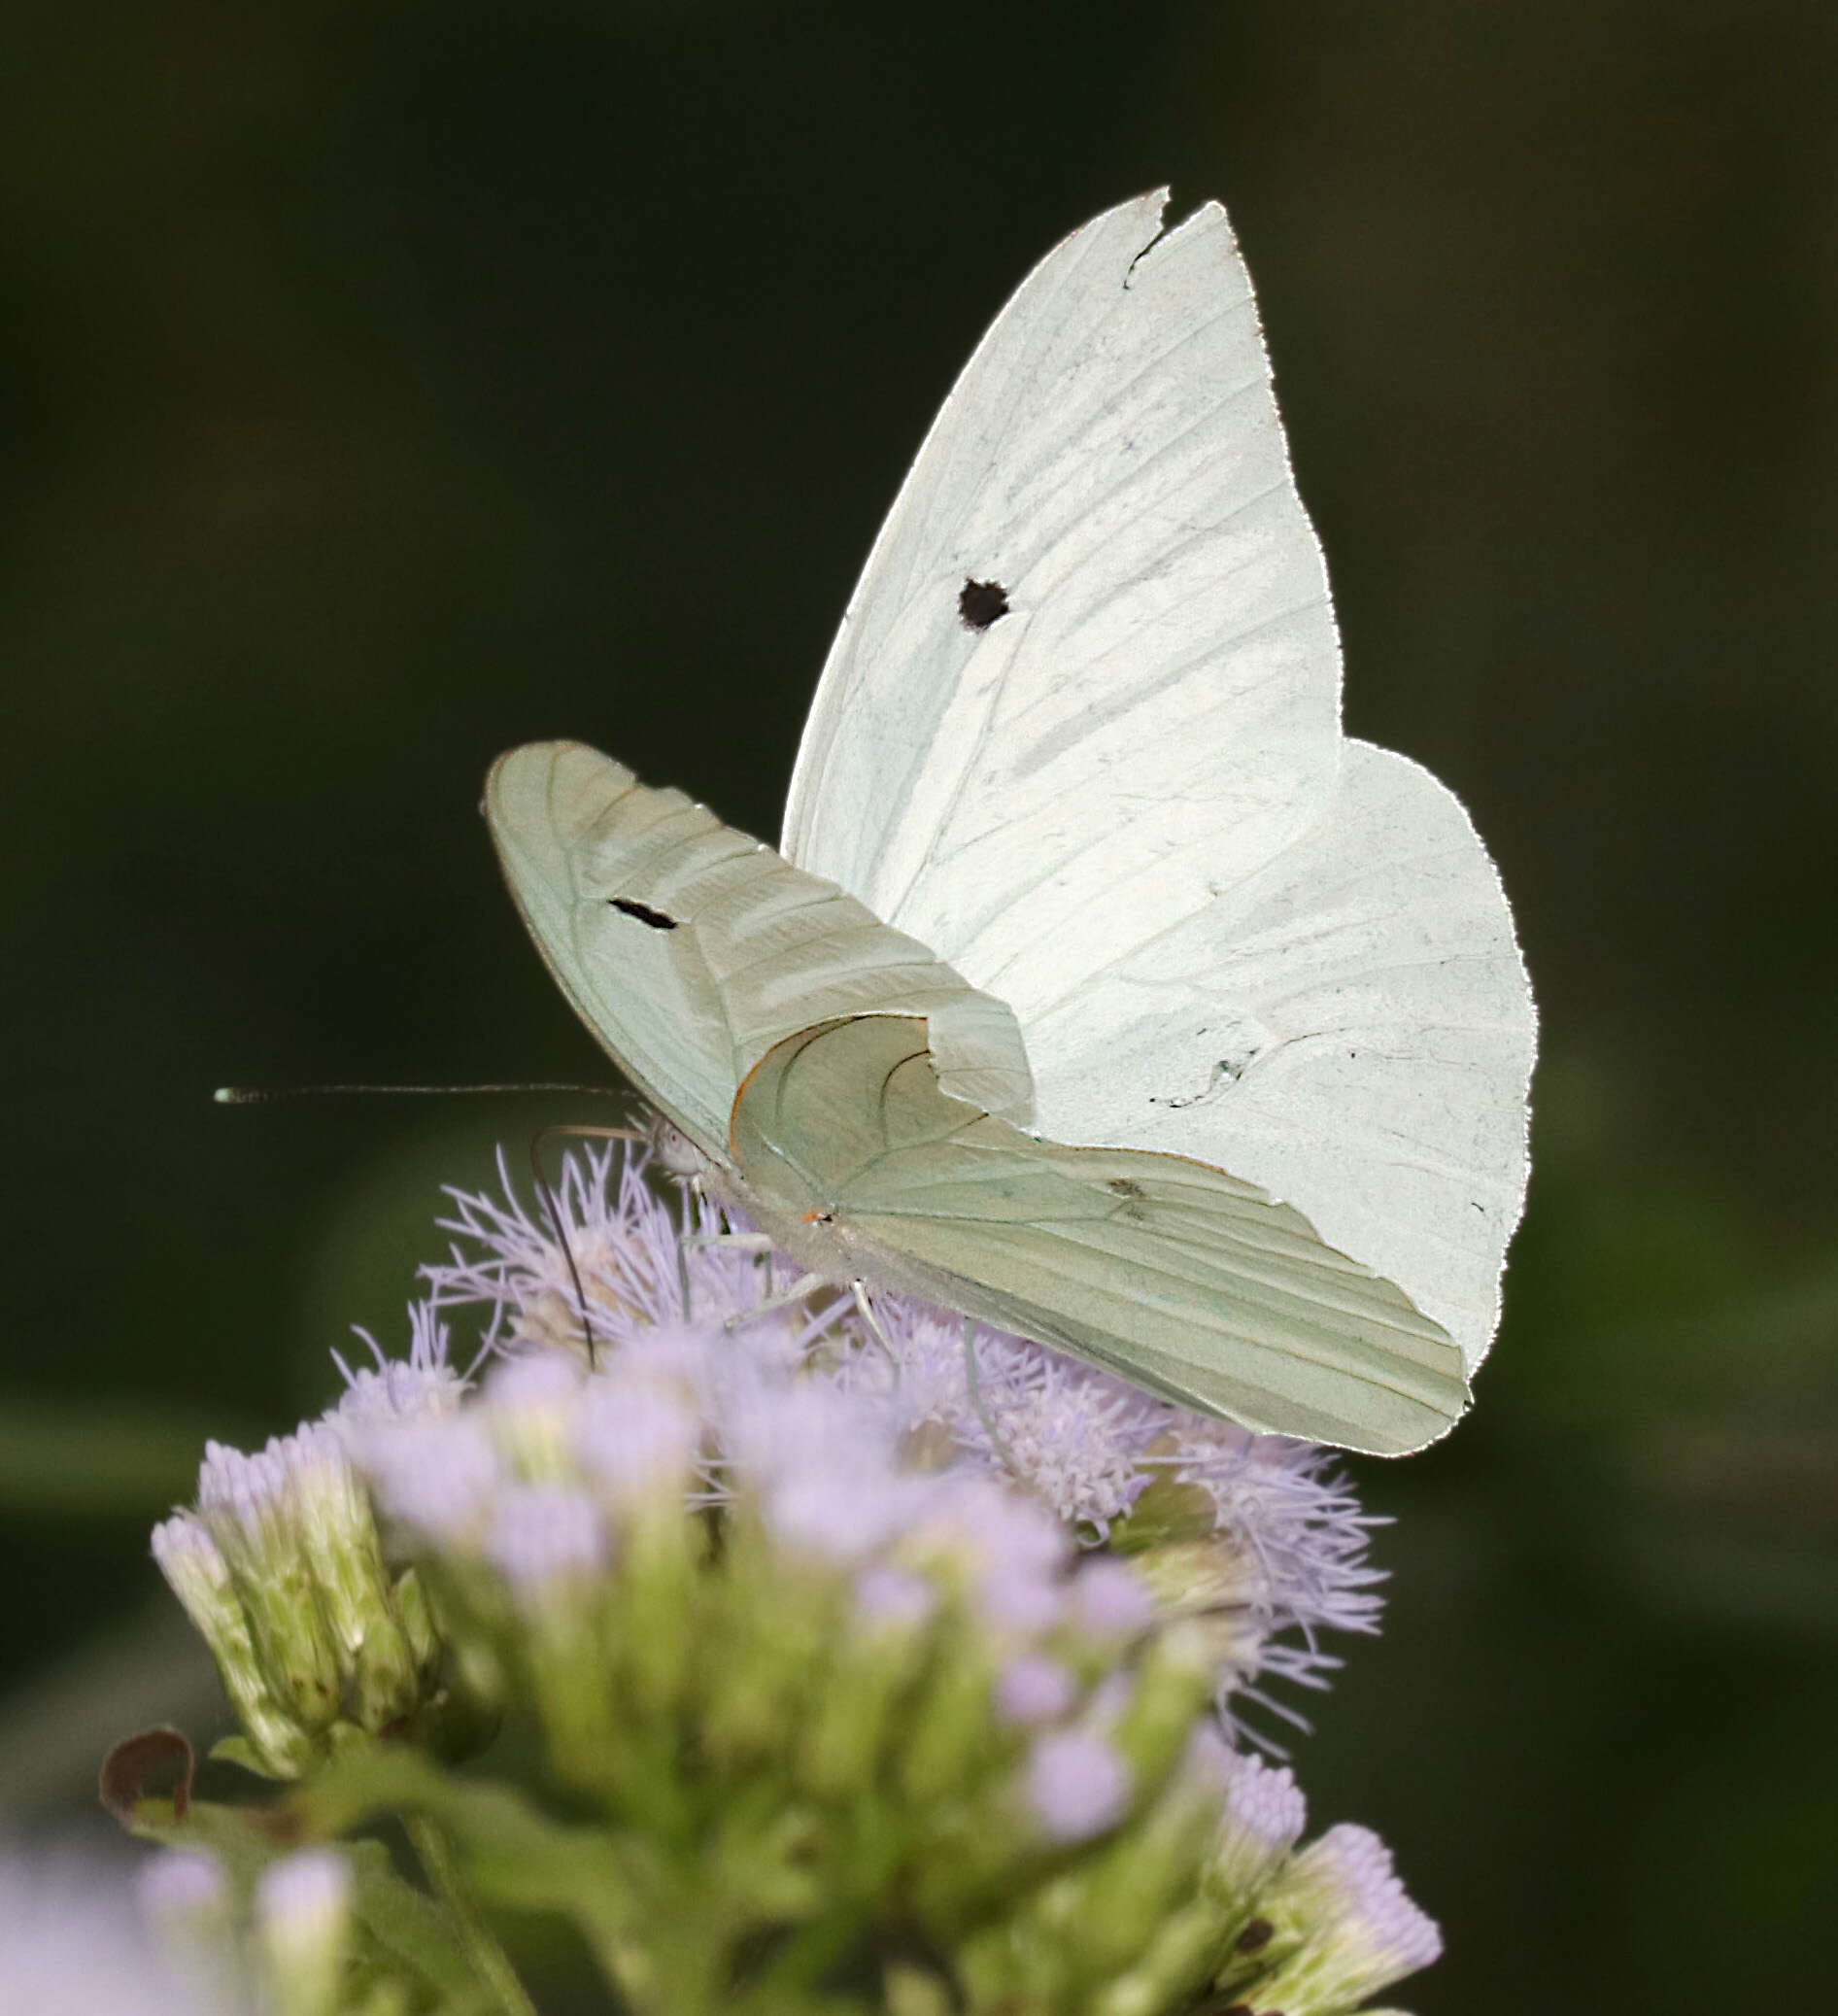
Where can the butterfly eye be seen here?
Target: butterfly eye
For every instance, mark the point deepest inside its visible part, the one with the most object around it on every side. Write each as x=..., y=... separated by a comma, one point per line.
x=979, y=603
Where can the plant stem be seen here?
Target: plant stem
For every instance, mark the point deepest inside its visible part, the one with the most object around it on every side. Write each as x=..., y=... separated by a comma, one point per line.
x=488, y=1960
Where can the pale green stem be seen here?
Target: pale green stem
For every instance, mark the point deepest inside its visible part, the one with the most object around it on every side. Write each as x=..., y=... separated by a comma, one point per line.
x=485, y=1957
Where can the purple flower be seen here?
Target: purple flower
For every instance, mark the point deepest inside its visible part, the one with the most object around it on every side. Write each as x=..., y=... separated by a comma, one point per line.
x=543, y=1534
x=1033, y=1688
x=401, y=1389
x=893, y=1596
x=639, y=1440
x=243, y=1494
x=180, y=1883
x=1301, y=1529
x=1289, y=1536
x=437, y=1476
x=1072, y=1435
x=1110, y=1599
x=1263, y=1818
x=1013, y=1550
x=1077, y=1785
x=626, y=1247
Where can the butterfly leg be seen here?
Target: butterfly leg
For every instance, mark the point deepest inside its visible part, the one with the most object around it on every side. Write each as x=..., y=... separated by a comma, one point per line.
x=731, y=1242
x=797, y=1292
x=859, y=1290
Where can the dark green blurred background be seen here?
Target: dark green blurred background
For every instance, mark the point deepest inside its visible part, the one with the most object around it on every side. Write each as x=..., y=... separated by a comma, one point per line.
x=383, y=385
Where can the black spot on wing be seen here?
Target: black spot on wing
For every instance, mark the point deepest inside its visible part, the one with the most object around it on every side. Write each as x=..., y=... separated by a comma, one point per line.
x=981, y=602
x=644, y=913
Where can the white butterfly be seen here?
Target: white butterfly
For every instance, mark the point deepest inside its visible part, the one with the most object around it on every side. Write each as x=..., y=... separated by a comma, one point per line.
x=1101, y=989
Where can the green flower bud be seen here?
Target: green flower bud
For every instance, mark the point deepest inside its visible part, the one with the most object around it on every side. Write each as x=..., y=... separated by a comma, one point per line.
x=198, y=1575
x=1339, y=1929
x=337, y=1534
x=1152, y=1870
x=549, y=1543
x=1172, y=1687
x=883, y=1647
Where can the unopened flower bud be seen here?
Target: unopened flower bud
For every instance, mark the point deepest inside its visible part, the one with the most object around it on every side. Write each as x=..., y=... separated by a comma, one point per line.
x=1172, y=1688
x=199, y=1576
x=1341, y=1929
x=852, y=1716
x=302, y=1925
x=1152, y=1871
x=185, y=1899
x=1262, y=1820
x=533, y=1405
x=338, y=1537
x=250, y=1503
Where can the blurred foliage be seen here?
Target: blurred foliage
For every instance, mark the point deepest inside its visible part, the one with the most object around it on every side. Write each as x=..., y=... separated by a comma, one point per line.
x=382, y=384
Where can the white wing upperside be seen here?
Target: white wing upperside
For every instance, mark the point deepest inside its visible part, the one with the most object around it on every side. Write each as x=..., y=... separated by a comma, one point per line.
x=1157, y=714
x=1126, y=807
x=1351, y=1029
x=689, y=948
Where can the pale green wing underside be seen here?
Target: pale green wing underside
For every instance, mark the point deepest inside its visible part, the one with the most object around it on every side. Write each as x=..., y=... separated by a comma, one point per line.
x=1171, y=1273
x=690, y=948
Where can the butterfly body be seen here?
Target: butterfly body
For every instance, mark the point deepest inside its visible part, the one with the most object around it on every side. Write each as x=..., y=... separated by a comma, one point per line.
x=1101, y=989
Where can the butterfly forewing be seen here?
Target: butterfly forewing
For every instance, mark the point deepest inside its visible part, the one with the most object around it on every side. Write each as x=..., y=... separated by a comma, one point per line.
x=1155, y=711
x=690, y=948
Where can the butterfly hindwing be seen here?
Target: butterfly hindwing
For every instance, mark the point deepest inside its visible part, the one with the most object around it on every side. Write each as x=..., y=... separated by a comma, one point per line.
x=1175, y=1275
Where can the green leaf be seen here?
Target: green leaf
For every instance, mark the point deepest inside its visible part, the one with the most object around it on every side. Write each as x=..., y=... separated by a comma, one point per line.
x=239, y=1750
x=514, y=1854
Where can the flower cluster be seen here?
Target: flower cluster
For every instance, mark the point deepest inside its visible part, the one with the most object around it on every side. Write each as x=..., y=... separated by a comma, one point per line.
x=1257, y=1533
x=281, y=1567
x=829, y=1659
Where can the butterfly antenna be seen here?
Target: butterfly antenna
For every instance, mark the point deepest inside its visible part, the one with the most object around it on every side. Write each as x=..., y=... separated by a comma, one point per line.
x=552, y=1206
x=281, y=1095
